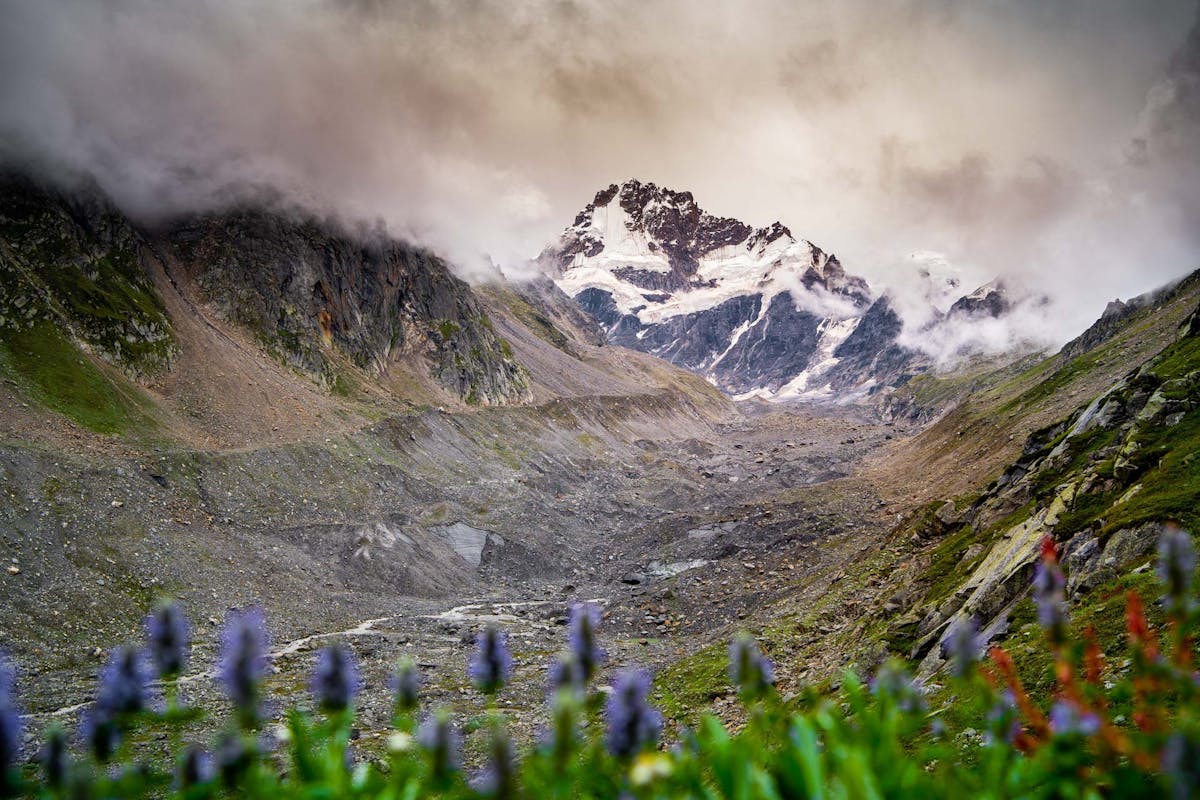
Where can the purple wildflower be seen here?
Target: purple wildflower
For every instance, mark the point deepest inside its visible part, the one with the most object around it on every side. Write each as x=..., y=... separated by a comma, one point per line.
x=962, y=646
x=55, y=757
x=491, y=663
x=8, y=679
x=1066, y=719
x=566, y=674
x=10, y=722
x=1176, y=567
x=749, y=669
x=633, y=724
x=1049, y=593
x=498, y=778
x=123, y=682
x=563, y=734
x=335, y=679
x=233, y=758
x=687, y=743
x=243, y=660
x=1004, y=724
x=406, y=683
x=892, y=680
x=441, y=741
x=1181, y=766
x=197, y=767
x=99, y=731
x=349, y=758
x=582, y=621
x=167, y=638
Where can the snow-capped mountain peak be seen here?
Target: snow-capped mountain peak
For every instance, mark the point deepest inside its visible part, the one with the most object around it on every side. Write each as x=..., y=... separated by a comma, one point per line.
x=660, y=255
x=757, y=311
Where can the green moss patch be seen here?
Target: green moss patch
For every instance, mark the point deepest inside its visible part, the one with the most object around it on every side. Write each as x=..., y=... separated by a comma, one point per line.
x=942, y=572
x=58, y=376
x=687, y=688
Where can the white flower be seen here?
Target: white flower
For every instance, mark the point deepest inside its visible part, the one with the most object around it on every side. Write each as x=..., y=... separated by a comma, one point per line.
x=400, y=742
x=648, y=767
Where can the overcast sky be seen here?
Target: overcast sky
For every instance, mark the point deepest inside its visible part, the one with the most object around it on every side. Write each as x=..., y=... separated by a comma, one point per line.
x=1051, y=141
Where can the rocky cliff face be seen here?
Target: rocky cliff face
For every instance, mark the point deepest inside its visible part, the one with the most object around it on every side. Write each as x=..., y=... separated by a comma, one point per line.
x=308, y=289
x=871, y=350
x=755, y=310
x=311, y=291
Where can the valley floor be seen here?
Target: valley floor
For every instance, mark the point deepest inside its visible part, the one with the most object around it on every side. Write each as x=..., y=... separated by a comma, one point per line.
x=405, y=537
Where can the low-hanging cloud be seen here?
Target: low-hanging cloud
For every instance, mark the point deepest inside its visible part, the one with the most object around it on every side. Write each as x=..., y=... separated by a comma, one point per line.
x=947, y=340
x=1053, y=142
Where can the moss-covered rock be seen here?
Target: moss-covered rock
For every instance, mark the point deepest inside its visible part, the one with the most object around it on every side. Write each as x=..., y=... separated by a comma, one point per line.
x=75, y=263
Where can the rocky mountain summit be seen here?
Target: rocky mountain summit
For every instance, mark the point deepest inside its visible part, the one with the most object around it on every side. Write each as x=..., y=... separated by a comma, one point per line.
x=757, y=311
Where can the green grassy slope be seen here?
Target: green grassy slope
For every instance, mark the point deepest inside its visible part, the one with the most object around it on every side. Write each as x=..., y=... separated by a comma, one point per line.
x=1125, y=460
x=49, y=369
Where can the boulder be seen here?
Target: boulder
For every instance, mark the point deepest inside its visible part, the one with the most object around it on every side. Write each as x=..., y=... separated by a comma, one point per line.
x=948, y=516
x=1090, y=564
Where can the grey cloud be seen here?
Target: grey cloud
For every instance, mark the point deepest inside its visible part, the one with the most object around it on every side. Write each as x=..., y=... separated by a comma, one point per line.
x=816, y=73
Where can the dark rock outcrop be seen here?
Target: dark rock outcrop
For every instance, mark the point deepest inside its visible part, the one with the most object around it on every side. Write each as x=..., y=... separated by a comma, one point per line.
x=872, y=350
x=692, y=340
x=774, y=350
x=304, y=286
x=987, y=301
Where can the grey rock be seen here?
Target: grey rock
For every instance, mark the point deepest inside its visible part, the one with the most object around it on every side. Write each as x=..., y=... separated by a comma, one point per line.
x=947, y=515
x=1081, y=557
x=1089, y=564
x=972, y=553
